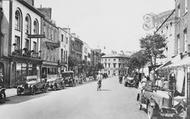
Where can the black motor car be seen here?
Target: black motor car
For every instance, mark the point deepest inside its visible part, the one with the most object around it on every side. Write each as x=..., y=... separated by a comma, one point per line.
x=31, y=85
x=130, y=82
x=68, y=77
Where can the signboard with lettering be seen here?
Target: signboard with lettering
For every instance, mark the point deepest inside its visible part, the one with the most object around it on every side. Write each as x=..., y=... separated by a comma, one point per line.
x=36, y=36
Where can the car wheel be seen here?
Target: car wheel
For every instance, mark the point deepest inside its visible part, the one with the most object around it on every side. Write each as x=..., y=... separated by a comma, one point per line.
x=140, y=106
x=151, y=112
x=33, y=91
x=3, y=98
x=138, y=96
x=18, y=92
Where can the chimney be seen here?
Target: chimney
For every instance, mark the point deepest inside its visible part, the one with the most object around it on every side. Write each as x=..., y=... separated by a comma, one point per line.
x=46, y=11
x=31, y=2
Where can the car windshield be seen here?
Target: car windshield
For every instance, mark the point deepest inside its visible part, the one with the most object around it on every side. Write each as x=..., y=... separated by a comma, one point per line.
x=67, y=74
x=33, y=79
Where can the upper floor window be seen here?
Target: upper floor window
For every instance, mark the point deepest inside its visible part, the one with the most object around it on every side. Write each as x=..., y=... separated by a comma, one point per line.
x=186, y=6
x=35, y=46
x=185, y=40
x=28, y=24
x=36, y=27
x=178, y=43
x=18, y=20
x=62, y=36
x=17, y=43
x=179, y=11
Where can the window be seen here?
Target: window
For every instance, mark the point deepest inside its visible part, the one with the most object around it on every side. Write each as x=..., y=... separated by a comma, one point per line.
x=114, y=59
x=18, y=20
x=27, y=44
x=27, y=24
x=185, y=40
x=179, y=11
x=66, y=40
x=36, y=27
x=62, y=37
x=186, y=6
x=109, y=65
x=61, y=54
x=114, y=65
x=178, y=43
x=17, y=41
x=35, y=46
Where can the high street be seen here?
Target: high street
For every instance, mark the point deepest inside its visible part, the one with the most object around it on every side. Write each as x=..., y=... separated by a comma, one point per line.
x=82, y=102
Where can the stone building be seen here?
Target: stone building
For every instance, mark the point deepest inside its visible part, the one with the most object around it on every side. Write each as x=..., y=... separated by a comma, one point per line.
x=114, y=64
x=49, y=45
x=20, y=41
x=64, y=48
x=167, y=30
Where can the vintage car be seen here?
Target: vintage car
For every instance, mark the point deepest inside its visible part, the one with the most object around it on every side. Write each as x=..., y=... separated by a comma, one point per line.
x=2, y=95
x=68, y=77
x=157, y=103
x=56, y=83
x=31, y=85
x=130, y=82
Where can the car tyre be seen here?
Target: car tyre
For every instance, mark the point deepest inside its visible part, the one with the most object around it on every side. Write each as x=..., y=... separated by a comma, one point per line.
x=151, y=112
x=18, y=92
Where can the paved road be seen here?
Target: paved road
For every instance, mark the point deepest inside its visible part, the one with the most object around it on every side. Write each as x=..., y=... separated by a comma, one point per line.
x=83, y=102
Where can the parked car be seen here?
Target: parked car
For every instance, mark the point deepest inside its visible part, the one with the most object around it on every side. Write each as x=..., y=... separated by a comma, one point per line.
x=157, y=103
x=68, y=77
x=130, y=82
x=2, y=95
x=31, y=85
x=56, y=83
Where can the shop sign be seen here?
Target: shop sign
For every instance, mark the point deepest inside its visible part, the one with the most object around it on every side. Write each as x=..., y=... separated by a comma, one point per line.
x=36, y=36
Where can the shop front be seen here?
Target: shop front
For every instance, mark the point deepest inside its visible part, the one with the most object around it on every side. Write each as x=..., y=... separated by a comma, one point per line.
x=23, y=67
x=49, y=70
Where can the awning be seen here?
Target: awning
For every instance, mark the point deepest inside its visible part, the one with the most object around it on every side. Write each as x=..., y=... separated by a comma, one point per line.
x=184, y=62
x=164, y=65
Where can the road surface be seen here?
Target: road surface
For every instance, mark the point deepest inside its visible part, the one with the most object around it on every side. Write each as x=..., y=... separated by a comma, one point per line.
x=82, y=102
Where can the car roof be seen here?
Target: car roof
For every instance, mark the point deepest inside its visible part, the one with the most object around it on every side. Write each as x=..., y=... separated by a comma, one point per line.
x=68, y=72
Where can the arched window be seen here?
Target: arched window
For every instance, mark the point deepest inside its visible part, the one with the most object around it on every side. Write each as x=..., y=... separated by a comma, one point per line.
x=27, y=24
x=18, y=20
x=36, y=27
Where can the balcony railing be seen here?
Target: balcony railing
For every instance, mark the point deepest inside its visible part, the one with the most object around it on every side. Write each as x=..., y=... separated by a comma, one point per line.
x=26, y=53
x=52, y=45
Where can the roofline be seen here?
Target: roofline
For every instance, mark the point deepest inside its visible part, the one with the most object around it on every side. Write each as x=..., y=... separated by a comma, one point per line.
x=31, y=7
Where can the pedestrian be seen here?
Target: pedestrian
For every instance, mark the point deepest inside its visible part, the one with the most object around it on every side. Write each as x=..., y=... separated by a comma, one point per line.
x=99, y=77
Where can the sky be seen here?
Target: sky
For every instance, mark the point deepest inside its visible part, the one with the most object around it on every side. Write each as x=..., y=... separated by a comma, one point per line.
x=106, y=24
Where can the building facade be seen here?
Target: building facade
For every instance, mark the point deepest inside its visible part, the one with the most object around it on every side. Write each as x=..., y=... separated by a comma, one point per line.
x=86, y=52
x=49, y=46
x=167, y=31
x=63, y=49
x=95, y=56
x=20, y=44
x=114, y=64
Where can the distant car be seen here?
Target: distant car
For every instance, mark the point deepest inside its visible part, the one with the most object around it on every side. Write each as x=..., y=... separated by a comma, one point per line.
x=56, y=83
x=31, y=85
x=68, y=77
x=130, y=82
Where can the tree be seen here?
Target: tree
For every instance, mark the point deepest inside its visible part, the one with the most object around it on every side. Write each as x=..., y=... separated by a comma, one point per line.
x=137, y=61
x=153, y=47
x=72, y=62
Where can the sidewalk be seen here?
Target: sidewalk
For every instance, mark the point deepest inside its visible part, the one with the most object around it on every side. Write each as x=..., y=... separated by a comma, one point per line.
x=11, y=92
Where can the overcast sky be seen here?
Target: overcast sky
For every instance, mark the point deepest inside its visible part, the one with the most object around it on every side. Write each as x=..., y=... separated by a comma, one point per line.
x=115, y=24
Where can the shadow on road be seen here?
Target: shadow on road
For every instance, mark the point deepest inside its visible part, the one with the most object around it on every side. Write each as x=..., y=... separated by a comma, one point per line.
x=23, y=98
x=105, y=90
